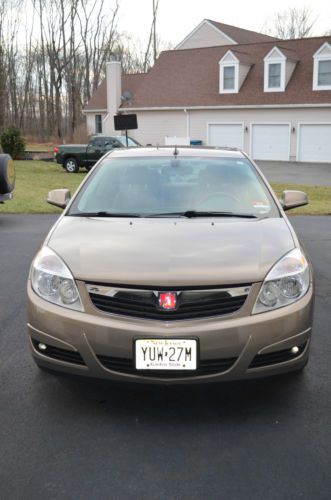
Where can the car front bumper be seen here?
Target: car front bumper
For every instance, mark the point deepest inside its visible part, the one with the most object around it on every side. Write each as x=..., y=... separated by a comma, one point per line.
x=259, y=345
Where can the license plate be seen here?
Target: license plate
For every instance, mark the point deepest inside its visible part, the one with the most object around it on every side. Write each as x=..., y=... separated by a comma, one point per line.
x=166, y=354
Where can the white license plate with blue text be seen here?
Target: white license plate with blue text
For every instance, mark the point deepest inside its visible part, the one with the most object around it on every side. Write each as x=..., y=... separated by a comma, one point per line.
x=166, y=354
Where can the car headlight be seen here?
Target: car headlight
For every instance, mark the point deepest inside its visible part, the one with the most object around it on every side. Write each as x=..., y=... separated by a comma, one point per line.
x=286, y=283
x=52, y=280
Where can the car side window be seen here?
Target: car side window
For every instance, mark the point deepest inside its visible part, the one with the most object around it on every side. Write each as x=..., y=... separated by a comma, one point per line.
x=96, y=143
x=112, y=143
x=99, y=143
x=108, y=143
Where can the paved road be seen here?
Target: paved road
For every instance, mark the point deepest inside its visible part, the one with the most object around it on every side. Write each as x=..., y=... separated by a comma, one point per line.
x=69, y=439
x=317, y=174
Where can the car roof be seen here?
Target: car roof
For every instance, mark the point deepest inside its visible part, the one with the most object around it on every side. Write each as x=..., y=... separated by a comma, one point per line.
x=107, y=136
x=154, y=151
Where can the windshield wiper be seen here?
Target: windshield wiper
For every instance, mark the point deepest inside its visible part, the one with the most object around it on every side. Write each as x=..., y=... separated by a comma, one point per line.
x=190, y=214
x=197, y=213
x=103, y=214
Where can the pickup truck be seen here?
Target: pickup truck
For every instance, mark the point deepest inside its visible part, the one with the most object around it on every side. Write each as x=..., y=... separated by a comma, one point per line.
x=7, y=177
x=74, y=156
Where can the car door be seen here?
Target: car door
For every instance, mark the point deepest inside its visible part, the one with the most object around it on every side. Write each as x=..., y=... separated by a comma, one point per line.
x=95, y=150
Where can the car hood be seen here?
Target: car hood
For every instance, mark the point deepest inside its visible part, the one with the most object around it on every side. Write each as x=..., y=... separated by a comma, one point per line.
x=170, y=252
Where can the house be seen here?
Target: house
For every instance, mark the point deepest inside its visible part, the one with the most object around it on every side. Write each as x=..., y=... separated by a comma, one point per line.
x=227, y=86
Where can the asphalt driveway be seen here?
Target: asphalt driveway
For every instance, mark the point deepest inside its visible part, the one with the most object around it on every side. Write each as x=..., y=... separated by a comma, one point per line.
x=316, y=174
x=72, y=439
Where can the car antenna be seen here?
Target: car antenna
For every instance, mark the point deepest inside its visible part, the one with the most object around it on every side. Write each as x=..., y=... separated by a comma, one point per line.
x=175, y=151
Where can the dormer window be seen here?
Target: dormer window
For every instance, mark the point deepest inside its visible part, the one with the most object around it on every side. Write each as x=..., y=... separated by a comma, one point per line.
x=279, y=65
x=322, y=68
x=234, y=67
x=274, y=76
x=229, y=77
x=324, y=73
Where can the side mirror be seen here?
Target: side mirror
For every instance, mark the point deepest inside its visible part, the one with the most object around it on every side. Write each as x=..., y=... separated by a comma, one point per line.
x=293, y=199
x=59, y=197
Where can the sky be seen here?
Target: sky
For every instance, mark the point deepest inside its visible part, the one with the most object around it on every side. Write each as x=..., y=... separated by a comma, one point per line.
x=176, y=18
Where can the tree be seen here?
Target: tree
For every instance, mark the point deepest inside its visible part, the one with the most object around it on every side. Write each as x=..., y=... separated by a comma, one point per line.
x=292, y=23
x=53, y=55
x=12, y=142
x=152, y=40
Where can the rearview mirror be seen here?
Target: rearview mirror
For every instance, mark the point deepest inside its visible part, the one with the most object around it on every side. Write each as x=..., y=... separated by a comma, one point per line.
x=59, y=197
x=293, y=199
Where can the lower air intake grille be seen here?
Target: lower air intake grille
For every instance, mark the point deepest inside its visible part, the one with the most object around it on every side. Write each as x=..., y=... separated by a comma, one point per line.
x=206, y=367
x=272, y=358
x=57, y=353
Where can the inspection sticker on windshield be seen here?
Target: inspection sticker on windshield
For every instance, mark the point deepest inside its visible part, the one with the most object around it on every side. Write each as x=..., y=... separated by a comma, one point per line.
x=263, y=205
x=166, y=354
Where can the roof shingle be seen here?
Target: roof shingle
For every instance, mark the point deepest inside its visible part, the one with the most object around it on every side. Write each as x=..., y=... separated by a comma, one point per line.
x=190, y=77
x=240, y=35
x=130, y=82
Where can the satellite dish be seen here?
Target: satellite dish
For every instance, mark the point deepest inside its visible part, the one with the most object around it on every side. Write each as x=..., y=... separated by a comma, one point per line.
x=127, y=95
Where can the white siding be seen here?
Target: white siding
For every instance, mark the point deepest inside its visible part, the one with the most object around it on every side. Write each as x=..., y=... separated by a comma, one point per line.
x=229, y=58
x=90, y=122
x=243, y=72
x=154, y=126
x=205, y=36
x=200, y=119
x=289, y=68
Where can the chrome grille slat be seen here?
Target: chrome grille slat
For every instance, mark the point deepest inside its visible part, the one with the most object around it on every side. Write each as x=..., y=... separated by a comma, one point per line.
x=191, y=304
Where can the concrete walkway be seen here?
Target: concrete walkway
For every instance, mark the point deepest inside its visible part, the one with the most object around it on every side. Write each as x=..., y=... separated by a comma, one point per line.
x=317, y=174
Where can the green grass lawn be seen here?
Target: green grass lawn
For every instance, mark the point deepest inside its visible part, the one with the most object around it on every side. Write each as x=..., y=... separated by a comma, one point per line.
x=33, y=181
x=319, y=198
x=35, y=178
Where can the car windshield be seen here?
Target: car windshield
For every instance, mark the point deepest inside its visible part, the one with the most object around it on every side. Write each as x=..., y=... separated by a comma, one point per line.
x=131, y=142
x=172, y=186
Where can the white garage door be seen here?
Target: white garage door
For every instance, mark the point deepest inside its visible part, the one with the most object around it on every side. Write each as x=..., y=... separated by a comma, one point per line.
x=271, y=142
x=315, y=142
x=226, y=134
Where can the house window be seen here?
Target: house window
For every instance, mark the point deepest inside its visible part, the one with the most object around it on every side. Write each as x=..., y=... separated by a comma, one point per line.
x=324, y=73
x=278, y=70
x=322, y=68
x=228, y=77
x=98, y=124
x=274, y=75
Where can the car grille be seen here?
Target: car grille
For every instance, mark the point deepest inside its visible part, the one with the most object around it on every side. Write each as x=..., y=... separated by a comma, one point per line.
x=206, y=367
x=57, y=353
x=273, y=358
x=191, y=303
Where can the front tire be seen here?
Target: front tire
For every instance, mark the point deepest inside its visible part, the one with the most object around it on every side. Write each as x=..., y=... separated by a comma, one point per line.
x=71, y=165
